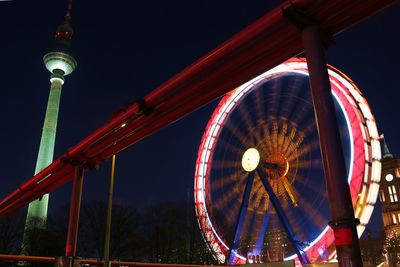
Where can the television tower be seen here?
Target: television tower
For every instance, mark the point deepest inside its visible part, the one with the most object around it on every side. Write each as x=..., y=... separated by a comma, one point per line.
x=60, y=63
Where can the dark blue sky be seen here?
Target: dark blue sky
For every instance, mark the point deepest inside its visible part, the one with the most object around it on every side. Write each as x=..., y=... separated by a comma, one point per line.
x=124, y=50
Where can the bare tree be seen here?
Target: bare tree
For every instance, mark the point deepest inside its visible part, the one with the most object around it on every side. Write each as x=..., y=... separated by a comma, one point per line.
x=124, y=227
x=42, y=241
x=11, y=233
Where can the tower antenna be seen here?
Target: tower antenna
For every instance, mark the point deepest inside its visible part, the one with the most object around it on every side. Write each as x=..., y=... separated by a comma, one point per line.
x=67, y=16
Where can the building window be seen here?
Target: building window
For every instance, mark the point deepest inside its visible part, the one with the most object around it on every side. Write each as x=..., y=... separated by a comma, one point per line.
x=382, y=196
x=398, y=217
x=386, y=219
x=392, y=193
x=397, y=172
x=394, y=218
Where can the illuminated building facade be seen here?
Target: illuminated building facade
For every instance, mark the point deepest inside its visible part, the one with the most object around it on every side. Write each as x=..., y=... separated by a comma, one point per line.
x=389, y=194
x=277, y=245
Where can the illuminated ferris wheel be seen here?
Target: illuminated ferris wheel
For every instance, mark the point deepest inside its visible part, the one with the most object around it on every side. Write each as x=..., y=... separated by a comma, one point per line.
x=281, y=210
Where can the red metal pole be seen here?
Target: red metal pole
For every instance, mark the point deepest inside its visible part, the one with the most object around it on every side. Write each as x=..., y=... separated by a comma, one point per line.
x=343, y=221
x=74, y=209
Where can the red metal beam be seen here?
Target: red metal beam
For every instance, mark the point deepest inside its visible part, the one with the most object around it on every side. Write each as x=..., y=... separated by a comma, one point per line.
x=8, y=257
x=264, y=44
x=26, y=194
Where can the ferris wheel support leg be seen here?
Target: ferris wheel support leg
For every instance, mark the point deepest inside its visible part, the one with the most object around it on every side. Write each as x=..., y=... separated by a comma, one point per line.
x=343, y=221
x=261, y=234
x=240, y=219
x=282, y=217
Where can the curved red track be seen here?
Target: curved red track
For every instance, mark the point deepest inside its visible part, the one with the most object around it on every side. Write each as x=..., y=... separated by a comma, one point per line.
x=262, y=45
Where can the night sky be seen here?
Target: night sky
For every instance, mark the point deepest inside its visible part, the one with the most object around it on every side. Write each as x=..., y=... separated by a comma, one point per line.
x=124, y=49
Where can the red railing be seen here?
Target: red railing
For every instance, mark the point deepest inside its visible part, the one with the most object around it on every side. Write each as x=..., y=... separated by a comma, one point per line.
x=39, y=259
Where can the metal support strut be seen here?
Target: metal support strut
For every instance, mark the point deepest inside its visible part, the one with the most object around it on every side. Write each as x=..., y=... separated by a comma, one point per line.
x=106, y=255
x=241, y=218
x=343, y=221
x=282, y=217
x=75, y=206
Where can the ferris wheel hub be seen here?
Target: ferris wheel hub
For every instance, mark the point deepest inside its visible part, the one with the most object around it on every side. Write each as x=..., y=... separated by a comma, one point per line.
x=276, y=165
x=250, y=159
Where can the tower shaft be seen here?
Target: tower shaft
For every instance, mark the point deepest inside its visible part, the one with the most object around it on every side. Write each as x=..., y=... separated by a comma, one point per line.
x=38, y=208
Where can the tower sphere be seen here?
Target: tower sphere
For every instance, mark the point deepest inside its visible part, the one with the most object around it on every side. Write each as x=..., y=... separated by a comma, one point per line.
x=60, y=58
x=64, y=31
x=59, y=61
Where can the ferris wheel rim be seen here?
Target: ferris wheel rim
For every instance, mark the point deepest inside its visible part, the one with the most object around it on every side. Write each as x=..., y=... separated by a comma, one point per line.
x=340, y=84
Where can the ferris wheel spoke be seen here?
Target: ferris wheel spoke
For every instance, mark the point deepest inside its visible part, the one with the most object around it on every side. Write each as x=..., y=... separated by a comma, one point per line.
x=264, y=203
x=275, y=136
x=267, y=144
x=303, y=181
x=290, y=135
x=227, y=181
x=247, y=121
x=290, y=100
x=313, y=187
x=292, y=173
x=290, y=191
x=262, y=148
x=263, y=133
x=238, y=134
x=220, y=164
x=280, y=137
x=259, y=193
x=229, y=216
x=280, y=188
x=260, y=201
x=309, y=127
x=304, y=111
x=274, y=185
x=235, y=150
x=301, y=105
x=291, y=151
x=288, y=104
x=233, y=209
x=283, y=138
x=317, y=217
x=306, y=148
x=230, y=196
x=273, y=98
x=294, y=144
x=284, y=127
x=309, y=164
x=259, y=105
